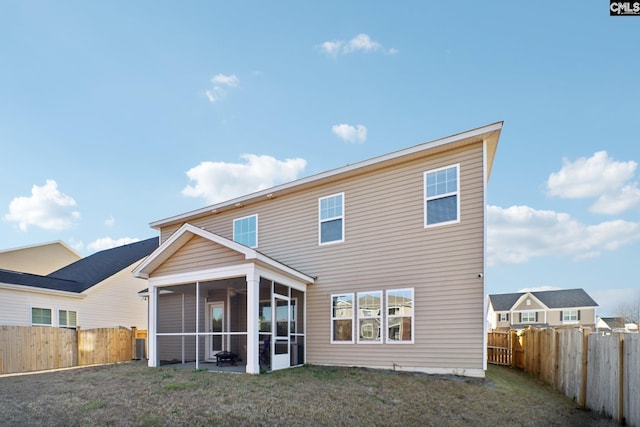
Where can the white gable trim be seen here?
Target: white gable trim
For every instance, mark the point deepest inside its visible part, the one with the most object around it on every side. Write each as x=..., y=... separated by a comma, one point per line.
x=524, y=297
x=187, y=231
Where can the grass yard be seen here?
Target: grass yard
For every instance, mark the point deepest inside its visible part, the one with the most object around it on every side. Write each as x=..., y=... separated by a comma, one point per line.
x=131, y=394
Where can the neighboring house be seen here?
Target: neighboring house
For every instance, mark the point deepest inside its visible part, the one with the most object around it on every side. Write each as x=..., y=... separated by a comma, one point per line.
x=375, y=264
x=94, y=292
x=561, y=308
x=39, y=259
x=616, y=324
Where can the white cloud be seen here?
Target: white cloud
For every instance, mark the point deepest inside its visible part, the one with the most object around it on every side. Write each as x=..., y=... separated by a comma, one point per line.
x=220, y=83
x=104, y=243
x=361, y=42
x=350, y=133
x=109, y=222
x=519, y=233
x=46, y=208
x=601, y=177
x=218, y=181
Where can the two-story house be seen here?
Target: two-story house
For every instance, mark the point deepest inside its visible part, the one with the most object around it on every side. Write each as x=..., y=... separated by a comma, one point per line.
x=97, y=291
x=557, y=308
x=375, y=264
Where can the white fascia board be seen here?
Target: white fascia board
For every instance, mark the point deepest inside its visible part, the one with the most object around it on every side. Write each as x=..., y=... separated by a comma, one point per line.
x=276, y=276
x=35, y=290
x=530, y=295
x=178, y=239
x=284, y=268
x=201, y=275
x=485, y=130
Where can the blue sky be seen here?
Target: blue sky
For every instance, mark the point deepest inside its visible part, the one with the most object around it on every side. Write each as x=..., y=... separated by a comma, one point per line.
x=117, y=114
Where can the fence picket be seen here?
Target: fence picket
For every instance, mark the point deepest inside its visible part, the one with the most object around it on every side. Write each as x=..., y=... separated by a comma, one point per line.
x=36, y=348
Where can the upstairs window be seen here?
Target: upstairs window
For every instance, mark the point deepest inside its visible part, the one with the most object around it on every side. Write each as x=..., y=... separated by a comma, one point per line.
x=570, y=315
x=528, y=317
x=504, y=317
x=331, y=227
x=67, y=318
x=40, y=316
x=245, y=231
x=441, y=192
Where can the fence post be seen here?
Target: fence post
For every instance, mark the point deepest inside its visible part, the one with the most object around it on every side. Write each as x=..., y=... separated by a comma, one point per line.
x=79, y=352
x=582, y=398
x=621, y=381
x=133, y=342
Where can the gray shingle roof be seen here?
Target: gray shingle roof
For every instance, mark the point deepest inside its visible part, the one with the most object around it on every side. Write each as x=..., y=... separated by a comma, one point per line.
x=564, y=298
x=86, y=272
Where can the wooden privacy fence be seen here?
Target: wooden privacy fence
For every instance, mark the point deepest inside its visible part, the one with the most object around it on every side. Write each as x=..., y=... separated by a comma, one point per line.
x=600, y=372
x=37, y=348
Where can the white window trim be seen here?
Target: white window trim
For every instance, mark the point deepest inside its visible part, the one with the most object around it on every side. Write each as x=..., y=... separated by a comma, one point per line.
x=440, y=196
x=528, y=312
x=320, y=220
x=379, y=317
x=67, y=325
x=503, y=317
x=240, y=219
x=569, y=321
x=353, y=309
x=53, y=320
x=413, y=316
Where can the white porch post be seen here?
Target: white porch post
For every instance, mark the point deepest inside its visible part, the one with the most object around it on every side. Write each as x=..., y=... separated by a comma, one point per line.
x=253, y=301
x=153, y=322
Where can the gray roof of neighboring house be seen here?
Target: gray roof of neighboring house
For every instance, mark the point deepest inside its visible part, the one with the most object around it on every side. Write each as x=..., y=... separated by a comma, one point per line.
x=616, y=322
x=86, y=272
x=552, y=299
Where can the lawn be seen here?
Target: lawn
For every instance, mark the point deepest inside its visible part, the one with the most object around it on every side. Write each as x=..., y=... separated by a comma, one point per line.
x=132, y=394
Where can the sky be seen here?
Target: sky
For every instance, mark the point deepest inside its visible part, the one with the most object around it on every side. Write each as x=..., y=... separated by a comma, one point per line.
x=117, y=114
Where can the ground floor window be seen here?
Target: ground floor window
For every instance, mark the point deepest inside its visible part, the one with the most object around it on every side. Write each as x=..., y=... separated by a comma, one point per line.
x=40, y=316
x=67, y=318
x=342, y=318
x=368, y=316
x=400, y=315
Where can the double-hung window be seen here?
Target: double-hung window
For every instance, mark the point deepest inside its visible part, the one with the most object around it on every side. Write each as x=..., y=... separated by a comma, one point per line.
x=245, y=231
x=570, y=315
x=342, y=311
x=441, y=193
x=67, y=318
x=40, y=316
x=369, y=317
x=528, y=316
x=331, y=215
x=400, y=316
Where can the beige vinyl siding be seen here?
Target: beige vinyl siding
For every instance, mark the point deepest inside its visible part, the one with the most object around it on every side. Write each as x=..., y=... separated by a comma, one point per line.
x=39, y=259
x=524, y=307
x=386, y=247
x=197, y=254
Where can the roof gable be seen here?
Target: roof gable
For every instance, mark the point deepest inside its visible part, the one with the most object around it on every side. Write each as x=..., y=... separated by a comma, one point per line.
x=86, y=272
x=184, y=235
x=564, y=298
